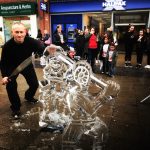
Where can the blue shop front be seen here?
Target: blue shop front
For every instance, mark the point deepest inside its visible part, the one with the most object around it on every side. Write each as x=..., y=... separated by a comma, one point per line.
x=102, y=14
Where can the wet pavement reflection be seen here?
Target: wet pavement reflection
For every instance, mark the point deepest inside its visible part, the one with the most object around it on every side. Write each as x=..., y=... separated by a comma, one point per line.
x=119, y=125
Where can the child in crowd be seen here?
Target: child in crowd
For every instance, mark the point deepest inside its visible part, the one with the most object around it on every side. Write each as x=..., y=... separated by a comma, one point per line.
x=103, y=56
x=112, y=59
x=140, y=48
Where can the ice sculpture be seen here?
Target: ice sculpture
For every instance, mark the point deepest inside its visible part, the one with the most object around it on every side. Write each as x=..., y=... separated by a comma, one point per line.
x=68, y=105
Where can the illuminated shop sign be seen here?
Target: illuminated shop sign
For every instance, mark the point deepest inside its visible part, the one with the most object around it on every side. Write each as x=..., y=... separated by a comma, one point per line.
x=98, y=5
x=17, y=9
x=43, y=6
x=114, y=4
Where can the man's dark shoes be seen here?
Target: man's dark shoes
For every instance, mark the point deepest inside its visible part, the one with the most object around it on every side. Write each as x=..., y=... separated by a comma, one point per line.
x=126, y=65
x=32, y=100
x=16, y=114
x=138, y=66
x=130, y=65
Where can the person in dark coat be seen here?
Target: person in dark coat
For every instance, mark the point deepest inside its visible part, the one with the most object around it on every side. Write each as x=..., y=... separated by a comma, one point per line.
x=148, y=47
x=45, y=36
x=130, y=39
x=14, y=52
x=59, y=38
x=140, y=48
x=80, y=42
x=39, y=35
x=86, y=43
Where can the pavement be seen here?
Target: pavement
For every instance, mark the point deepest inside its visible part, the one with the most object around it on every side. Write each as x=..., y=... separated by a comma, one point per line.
x=127, y=119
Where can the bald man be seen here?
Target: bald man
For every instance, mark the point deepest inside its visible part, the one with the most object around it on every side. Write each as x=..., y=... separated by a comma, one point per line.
x=15, y=51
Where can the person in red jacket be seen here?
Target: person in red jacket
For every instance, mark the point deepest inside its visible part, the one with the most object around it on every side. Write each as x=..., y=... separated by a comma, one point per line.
x=92, y=47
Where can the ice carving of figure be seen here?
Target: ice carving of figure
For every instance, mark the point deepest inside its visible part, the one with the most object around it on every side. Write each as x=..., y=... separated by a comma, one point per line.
x=67, y=101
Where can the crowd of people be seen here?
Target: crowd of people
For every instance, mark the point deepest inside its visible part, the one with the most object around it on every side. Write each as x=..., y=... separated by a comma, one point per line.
x=92, y=46
x=88, y=44
x=141, y=40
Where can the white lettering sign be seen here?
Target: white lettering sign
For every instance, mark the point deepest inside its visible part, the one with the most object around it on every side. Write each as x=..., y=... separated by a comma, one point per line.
x=26, y=6
x=114, y=4
x=15, y=7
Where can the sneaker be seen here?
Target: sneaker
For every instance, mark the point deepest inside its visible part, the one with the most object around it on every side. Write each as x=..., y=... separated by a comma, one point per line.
x=112, y=76
x=129, y=65
x=126, y=64
x=33, y=100
x=147, y=67
x=138, y=66
x=16, y=114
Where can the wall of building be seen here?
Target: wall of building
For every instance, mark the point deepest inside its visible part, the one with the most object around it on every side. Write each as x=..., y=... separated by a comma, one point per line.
x=43, y=18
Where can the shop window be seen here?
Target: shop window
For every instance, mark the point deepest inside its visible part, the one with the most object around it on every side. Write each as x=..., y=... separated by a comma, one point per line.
x=131, y=18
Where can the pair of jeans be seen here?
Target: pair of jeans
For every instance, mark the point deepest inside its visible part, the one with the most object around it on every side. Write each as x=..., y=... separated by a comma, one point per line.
x=92, y=54
x=128, y=52
x=111, y=68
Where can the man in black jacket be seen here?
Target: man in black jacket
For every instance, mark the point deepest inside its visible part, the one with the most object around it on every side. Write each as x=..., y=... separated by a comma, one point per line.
x=129, y=44
x=59, y=38
x=15, y=51
x=148, y=47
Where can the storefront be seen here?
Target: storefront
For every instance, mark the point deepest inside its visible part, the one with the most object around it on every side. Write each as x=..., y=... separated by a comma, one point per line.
x=102, y=14
x=12, y=12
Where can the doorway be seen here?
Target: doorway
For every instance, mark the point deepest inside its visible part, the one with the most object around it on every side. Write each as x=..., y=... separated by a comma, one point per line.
x=124, y=19
x=101, y=21
x=122, y=29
